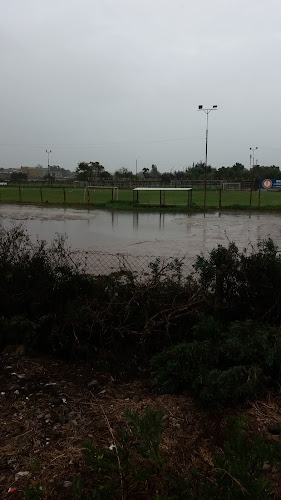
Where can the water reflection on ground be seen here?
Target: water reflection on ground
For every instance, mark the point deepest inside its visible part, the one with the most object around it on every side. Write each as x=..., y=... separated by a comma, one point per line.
x=144, y=233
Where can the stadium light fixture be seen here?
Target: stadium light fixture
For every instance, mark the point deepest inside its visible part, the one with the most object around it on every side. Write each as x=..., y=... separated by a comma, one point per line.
x=253, y=150
x=206, y=111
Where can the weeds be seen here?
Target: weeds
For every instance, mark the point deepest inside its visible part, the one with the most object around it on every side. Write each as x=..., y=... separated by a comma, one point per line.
x=132, y=467
x=33, y=493
x=237, y=473
x=238, y=470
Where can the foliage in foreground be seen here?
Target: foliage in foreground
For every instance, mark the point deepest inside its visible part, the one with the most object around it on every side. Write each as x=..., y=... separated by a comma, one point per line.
x=49, y=304
x=217, y=334
x=242, y=285
x=134, y=467
x=238, y=471
x=119, y=323
x=222, y=364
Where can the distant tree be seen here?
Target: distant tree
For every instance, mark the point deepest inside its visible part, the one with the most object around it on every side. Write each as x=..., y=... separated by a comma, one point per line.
x=123, y=172
x=166, y=177
x=179, y=174
x=60, y=171
x=272, y=172
x=83, y=171
x=197, y=171
x=145, y=171
x=96, y=168
x=238, y=170
x=223, y=173
x=105, y=175
x=154, y=171
x=18, y=177
x=88, y=171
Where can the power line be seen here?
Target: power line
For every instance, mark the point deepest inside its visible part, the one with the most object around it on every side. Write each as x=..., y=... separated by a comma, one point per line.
x=154, y=141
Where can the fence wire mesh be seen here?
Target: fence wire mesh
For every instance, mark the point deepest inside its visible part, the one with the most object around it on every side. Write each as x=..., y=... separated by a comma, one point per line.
x=97, y=263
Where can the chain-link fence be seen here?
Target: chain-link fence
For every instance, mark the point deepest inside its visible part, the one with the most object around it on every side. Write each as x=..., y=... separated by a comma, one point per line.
x=97, y=263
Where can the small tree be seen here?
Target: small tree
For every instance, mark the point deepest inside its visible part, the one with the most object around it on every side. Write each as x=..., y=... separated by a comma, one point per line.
x=154, y=170
x=123, y=172
x=18, y=177
x=145, y=171
x=166, y=177
x=88, y=171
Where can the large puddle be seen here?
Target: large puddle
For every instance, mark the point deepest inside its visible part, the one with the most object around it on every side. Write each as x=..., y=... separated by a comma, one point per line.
x=144, y=233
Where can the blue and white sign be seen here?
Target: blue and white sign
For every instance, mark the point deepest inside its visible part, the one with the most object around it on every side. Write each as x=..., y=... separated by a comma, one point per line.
x=270, y=183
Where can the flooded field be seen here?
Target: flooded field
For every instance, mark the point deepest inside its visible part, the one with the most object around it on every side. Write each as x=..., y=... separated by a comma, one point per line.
x=143, y=233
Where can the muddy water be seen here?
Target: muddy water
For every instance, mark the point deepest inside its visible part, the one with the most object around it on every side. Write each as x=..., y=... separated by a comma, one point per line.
x=143, y=233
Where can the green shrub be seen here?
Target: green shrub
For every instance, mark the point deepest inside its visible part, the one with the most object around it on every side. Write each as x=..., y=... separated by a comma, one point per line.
x=240, y=284
x=238, y=471
x=48, y=304
x=51, y=307
x=135, y=469
x=221, y=364
x=128, y=469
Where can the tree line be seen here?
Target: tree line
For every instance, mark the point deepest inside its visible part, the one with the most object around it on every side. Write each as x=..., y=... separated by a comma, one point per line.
x=95, y=171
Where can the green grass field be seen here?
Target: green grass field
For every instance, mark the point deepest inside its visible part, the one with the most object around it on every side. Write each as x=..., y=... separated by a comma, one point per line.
x=102, y=198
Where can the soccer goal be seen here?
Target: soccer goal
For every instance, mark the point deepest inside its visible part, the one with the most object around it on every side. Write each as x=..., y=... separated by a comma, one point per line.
x=100, y=194
x=162, y=196
x=231, y=186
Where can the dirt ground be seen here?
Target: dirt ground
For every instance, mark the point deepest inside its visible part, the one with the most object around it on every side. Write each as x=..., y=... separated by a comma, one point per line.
x=49, y=408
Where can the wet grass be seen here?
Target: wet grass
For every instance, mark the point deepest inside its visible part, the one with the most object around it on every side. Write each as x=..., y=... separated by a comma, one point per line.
x=149, y=200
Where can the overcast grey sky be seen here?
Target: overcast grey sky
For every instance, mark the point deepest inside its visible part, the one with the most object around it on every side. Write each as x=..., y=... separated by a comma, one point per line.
x=116, y=80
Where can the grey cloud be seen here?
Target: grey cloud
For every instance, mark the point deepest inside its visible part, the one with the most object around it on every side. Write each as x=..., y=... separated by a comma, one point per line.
x=109, y=81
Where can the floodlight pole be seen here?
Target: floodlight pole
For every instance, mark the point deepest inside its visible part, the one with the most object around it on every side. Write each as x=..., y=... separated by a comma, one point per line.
x=137, y=166
x=48, y=153
x=206, y=111
x=253, y=149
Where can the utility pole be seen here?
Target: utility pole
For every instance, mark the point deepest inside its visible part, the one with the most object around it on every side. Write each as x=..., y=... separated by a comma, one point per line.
x=206, y=111
x=137, y=166
x=48, y=153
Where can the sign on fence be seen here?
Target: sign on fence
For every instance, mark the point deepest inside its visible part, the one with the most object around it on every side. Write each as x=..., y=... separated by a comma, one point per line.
x=270, y=183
